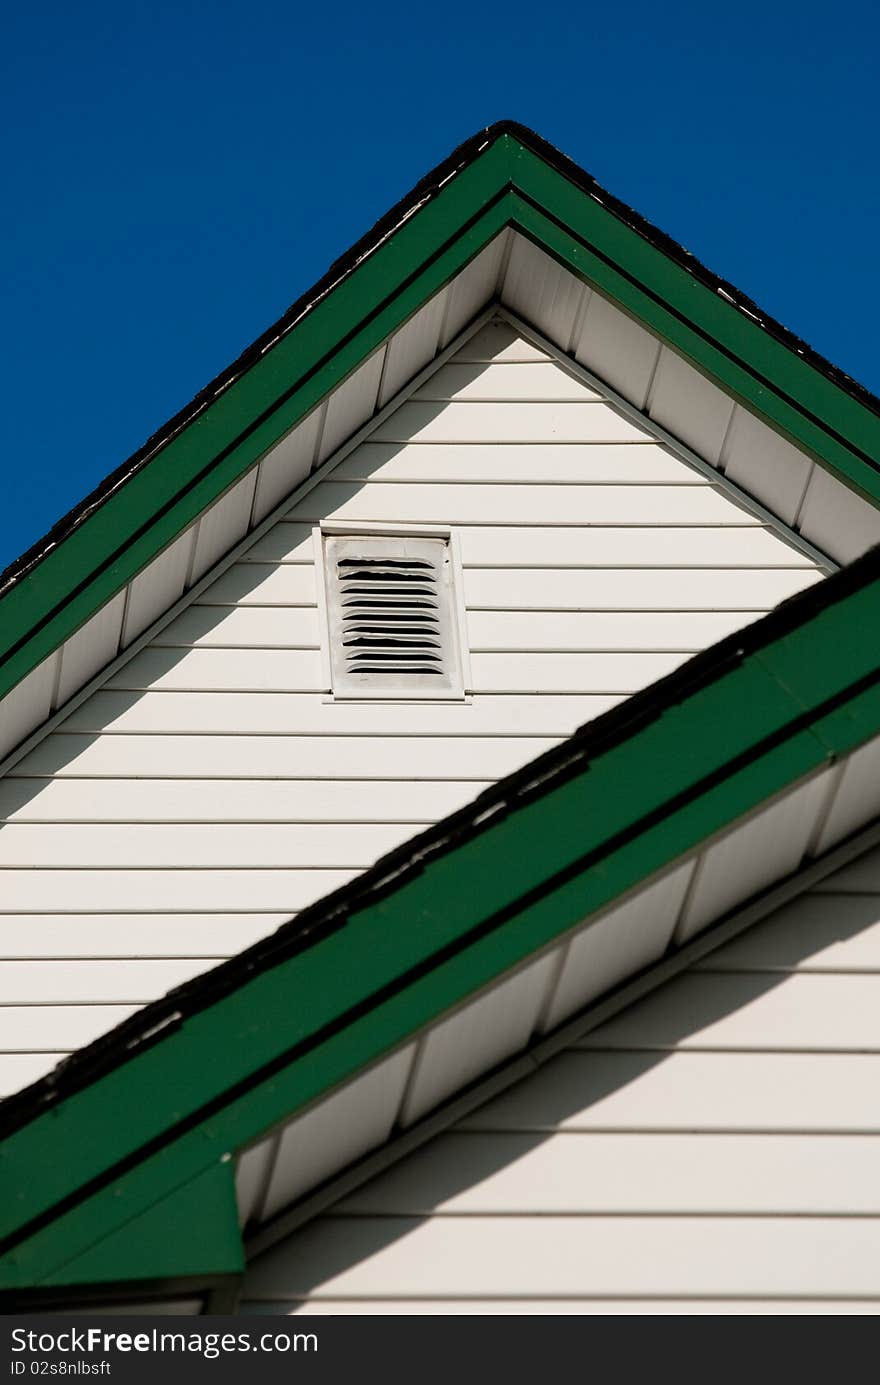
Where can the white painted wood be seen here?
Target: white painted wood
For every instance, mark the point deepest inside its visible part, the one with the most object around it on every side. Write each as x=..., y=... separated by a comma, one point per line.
x=622, y=546
x=351, y=404
x=224, y=524
x=516, y=381
x=126, y=934
x=306, y=714
x=28, y=704
x=577, y=1174
x=862, y=876
x=473, y=288
x=236, y=627
x=48, y=846
x=160, y=584
x=765, y=465
x=816, y=932
x=334, y=1133
x=618, y=944
x=412, y=347
x=643, y=589
x=800, y=1012
x=566, y=673
x=541, y=588
x=286, y=464
x=477, y=1036
x=308, y=801
x=837, y=520
x=682, y=1091
x=251, y=1177
x=233, y=670
x=689, y=406
x=767, y=847
x=617, y=349
x=497, y=341
x=514, y=423
x=537, y=504
x=591, y=630
x=51, y=1029
x=857, y=799
x=573, y=463
x=542, y=291
x=667, y=1256
x=93, y=646
x=277, y=757
x=89, y=982
x=19, y=1070
x=168, y=891
x=214, y=788
x=255, y=584
x=556, y=1307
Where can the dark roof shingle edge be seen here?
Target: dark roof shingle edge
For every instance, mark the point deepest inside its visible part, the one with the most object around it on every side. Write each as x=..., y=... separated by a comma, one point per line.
x=424, y=190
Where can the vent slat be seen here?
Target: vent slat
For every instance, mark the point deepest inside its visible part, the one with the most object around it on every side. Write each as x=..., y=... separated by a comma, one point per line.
x=390, y=616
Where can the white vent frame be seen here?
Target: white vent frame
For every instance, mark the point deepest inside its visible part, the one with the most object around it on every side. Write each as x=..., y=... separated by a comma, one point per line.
x=339, y=689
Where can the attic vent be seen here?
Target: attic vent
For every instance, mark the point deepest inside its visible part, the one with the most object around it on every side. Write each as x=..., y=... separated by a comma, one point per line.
x=390, y=609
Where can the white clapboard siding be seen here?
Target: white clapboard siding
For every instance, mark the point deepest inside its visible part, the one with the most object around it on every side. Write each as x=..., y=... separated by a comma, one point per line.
x=279, y=714
x=212, y=788
x=609, y=547
x=19, y=1070
x=575, y=1256
x=715, y=1145
x=133, y=934
x=400, y=503
x=91, y=982
x=281, y=757
x=311, y=801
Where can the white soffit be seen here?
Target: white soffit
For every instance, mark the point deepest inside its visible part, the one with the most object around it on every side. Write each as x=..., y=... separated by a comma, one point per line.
x=537, y=1004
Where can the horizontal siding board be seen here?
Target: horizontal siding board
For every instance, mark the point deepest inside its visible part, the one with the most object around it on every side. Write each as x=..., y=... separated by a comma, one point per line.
x=91, y=981
x=19, y=1070
x=512, y=422
x=170, y=891
x=548, y=588
x=49, y=846
x=133, y=935
x=587, y=546
x=518, y=1174
x=311, y=801
x=277, y=757
x=589, y=630
x=820, y=932
x=569, y=673
x=559, y=1307
x=666, y=1256
x=516, y=382
x=683, y=1091
x=307, y=714
x=244, y=584
x=497, y=341
x=429, y=503
x=588, y=464
x=236, y=670
x=726, y=1011
x=52, y=1029
x=239, y=628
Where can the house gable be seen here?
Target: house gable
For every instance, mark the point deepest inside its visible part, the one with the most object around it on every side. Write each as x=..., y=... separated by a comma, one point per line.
x=211, y=790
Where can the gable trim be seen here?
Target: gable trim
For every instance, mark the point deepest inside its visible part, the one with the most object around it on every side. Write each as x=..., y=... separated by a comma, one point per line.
x=304, y=1011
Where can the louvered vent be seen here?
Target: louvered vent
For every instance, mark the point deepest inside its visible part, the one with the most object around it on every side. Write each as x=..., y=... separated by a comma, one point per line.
x=390, y=616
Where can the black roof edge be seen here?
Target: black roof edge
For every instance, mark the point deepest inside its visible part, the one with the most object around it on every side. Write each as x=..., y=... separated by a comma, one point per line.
x=160, y=1018
x=426, y=188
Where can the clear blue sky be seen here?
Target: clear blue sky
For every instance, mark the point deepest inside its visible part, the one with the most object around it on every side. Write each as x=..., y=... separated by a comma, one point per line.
x=177, y=173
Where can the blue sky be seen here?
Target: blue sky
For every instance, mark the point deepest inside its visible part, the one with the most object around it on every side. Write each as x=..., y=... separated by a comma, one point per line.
x=176, y=174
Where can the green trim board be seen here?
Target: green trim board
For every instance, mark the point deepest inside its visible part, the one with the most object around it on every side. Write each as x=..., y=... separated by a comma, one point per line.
x=504, y=176
x=230, y=1057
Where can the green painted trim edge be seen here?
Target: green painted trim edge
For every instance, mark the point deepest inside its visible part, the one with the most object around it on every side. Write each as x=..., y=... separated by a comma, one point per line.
x=494, y=901
x=220, y=445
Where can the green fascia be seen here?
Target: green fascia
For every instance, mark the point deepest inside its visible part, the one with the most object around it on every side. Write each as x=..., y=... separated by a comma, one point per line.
x=231, y=1073
x=507, y=183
